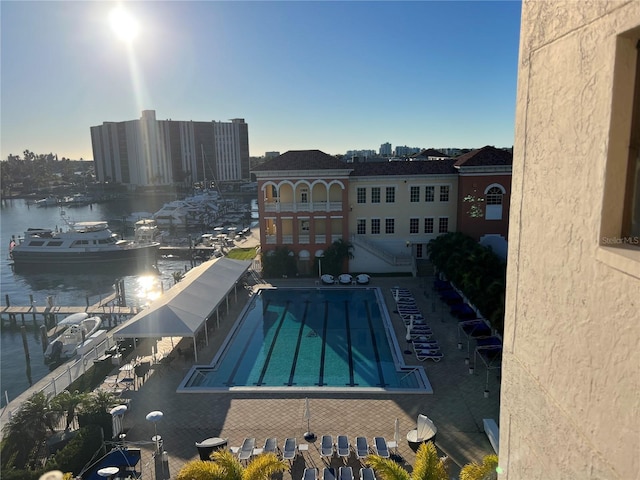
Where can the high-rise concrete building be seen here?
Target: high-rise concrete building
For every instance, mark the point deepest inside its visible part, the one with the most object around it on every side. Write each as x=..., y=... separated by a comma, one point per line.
x=148, y=152
x=385, y=150
x=570, y=393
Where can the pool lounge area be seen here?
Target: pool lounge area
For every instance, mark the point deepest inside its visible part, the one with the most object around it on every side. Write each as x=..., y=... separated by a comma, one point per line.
x=310, y=339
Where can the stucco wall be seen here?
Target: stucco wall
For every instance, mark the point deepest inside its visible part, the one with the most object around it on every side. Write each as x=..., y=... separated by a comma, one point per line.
x=570, y=405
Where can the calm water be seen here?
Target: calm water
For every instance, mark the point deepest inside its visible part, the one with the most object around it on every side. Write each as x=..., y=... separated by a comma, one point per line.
x=67, y=289
x=308, y=338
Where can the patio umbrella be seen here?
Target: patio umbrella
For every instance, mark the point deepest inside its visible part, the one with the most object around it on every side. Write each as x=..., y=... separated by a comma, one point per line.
x=309, y=435
x=396, y=433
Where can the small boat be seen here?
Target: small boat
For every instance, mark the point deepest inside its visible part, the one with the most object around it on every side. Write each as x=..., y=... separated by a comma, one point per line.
x=49, y=201
x=147, y=232
x=79, y=327
x=85, y=244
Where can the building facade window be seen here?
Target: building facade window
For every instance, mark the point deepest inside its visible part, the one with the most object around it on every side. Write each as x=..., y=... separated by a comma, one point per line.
x=390, y=195
x=414, y=225
x=304, y=196
x=375, y=194
x=414, y=194
x=389, y=225
x=419, y=250
x=444, y=193
x=443, y=224
x=428, y=225
x=631, y=210
x=361, y=227
x=493, y=201
x=274, y=191
x=429, y=194
x=375, y=226
x=362, y=195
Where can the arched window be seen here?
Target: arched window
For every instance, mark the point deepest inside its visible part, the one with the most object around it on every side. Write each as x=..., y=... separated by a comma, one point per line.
x=493, y=201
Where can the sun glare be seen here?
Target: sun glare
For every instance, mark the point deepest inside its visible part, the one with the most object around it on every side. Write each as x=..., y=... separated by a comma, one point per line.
x=124, y=25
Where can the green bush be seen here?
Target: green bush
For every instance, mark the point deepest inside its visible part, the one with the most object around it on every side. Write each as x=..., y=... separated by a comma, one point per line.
x=79, y=452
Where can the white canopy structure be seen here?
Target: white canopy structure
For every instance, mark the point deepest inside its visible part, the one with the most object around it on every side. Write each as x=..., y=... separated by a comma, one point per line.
x=184, y=309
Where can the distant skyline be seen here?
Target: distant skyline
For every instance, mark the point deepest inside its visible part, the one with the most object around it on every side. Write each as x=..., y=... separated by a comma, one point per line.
x=333, y=76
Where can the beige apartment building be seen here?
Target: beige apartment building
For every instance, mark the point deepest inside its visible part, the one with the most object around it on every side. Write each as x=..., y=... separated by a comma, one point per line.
x=570, y=404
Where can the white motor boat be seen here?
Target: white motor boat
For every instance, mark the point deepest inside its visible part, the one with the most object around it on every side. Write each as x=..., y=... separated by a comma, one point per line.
x=147, y=232
x=83, y=244
x=79, y=327
x=49, y=201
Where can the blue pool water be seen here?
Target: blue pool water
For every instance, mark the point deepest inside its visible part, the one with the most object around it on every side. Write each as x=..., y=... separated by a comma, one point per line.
x=302, y=338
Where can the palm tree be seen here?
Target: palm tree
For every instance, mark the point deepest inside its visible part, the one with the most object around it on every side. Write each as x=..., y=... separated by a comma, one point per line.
x=488, y=470
x=226, y=466
x=68, y=402
x=428, y=466
x=27, y=430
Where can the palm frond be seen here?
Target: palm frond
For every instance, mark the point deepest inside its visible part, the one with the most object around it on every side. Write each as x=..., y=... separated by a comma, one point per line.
x=263, y=467
x=387, y=469
x=428, y=465
x=200, y=470
x=485, y=471
x=229, y=464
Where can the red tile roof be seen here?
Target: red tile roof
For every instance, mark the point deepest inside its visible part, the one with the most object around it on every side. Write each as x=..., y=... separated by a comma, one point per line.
x=303, y=160
x=433, y=167
x=485, y=156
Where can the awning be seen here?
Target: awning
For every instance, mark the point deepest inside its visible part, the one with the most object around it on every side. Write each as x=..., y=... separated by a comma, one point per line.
x=183, y=310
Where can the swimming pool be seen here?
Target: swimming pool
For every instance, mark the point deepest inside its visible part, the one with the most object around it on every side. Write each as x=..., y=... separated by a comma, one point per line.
x=320, y=338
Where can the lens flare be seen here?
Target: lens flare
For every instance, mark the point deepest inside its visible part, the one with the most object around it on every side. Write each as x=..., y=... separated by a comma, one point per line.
x=124, y=25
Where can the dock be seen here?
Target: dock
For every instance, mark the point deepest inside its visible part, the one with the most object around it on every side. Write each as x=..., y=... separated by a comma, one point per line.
x=106, y=306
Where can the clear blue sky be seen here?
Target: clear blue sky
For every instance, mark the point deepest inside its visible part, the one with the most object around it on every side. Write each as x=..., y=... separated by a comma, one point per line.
x=328, y=75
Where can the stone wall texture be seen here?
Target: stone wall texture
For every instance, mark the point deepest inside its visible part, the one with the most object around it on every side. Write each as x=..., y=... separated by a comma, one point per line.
x=570, y=405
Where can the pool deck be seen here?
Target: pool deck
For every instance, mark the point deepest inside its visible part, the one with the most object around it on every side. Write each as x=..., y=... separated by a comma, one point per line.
x=457, y=406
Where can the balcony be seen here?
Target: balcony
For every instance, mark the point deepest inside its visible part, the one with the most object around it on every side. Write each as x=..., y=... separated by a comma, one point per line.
x=303, y=239
x=287, y=239
x=302, y=207
x=321, y=239
x=271, y=239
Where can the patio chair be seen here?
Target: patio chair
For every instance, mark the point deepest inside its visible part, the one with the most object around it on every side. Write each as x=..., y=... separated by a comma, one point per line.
x=425, y=430
x=246, y=450
x=343, y=446
x=326, y=446
x=362, y=448
x=328, y=473
x=270, y=445
x=380, y=447
x=310, y=474
x=367, y=474
x=345, y=473
x=290, y=449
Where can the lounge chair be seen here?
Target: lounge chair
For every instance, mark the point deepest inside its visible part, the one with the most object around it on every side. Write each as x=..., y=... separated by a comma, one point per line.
x=310, y=474
x=363, y=279
x=434, y=355
x=328, y=473
x=345, y=279
x=345, y=473
x=426, y=345
x=290, y=449
x=425, y=430
x=270, y=445
x=367, y=474
x=326, y=446
x=380, y=447
x=246, y=450
x=362, y=447
x=343, y=446
x=327, y=279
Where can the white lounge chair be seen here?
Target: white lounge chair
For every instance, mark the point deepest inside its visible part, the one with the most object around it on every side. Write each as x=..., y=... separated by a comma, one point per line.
x=310, y=474
x=362, y=448
x=326, y=446
x=246, y=450
x=380, y=447
x=367, y=474
x=343, y=446
x=270, y=445
x=425, y=430
x=363, y=279
x=345, y=473
x=327, y=279
x=345, y=279
x=290, y=449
